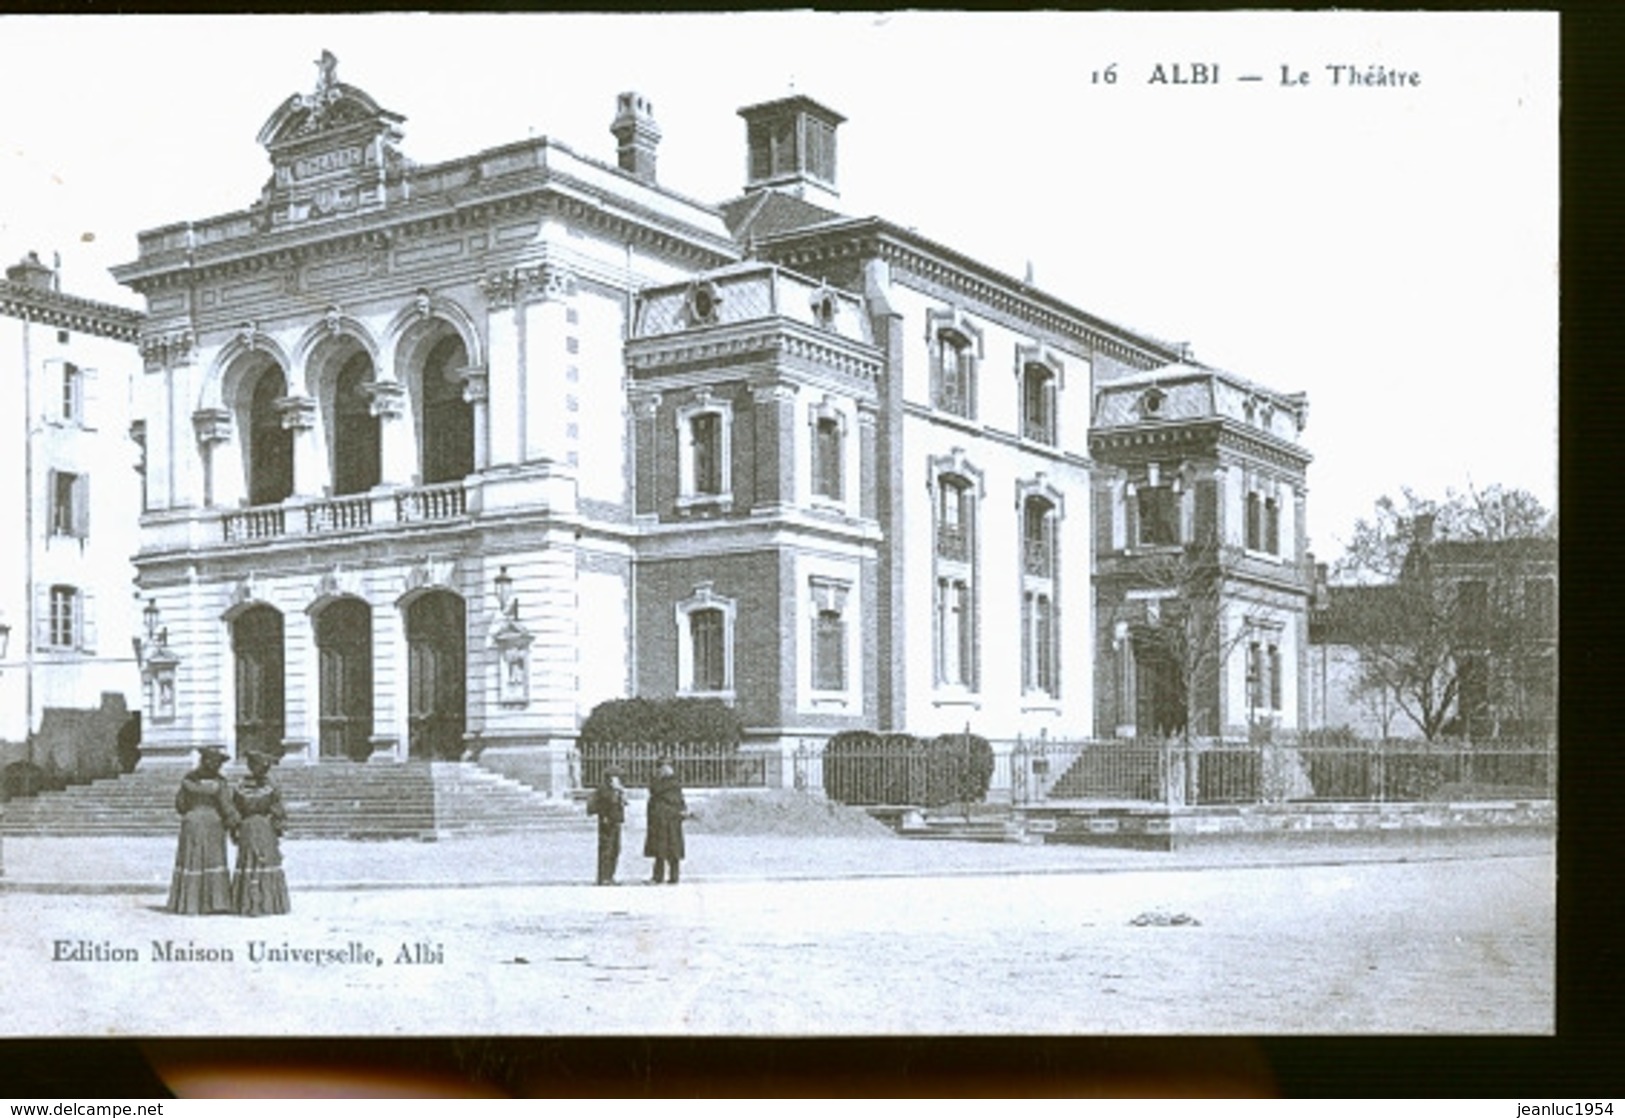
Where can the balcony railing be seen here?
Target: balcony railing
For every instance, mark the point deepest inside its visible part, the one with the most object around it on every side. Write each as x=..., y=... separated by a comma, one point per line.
x=261, y=523
x=445, y=501
x=1035, y=558
x=952, y=542
x=339, y=515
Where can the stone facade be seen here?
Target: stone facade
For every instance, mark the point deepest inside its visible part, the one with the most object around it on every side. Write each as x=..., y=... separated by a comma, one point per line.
x=441, y=456
x=65, y=607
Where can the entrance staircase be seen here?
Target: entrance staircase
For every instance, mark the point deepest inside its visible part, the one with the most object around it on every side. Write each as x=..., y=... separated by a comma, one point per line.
x=1111, y=771
x=336, y=800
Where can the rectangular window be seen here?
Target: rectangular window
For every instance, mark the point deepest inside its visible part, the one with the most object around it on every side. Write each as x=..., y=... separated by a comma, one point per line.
x=1038, y=661
x=70, y=504
x=953, y=632
x=1272, y=665
x=953, y=380
x=1255, y=524
x=710, y=663
x=1035, y=544
x=829, y=651
x=1540, y=605
x=1037, y=395
x=953, y=539
x=1472, y=610
x=827, y=459
x=1159, y=516
x=706, y=431
x=64, y=620
x=1255, y=676
x=73, y=399
x=1272, y=527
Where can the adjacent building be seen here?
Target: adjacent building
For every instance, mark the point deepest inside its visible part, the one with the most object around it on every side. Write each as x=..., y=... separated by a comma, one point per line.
x=439, y=457
x=66, y=622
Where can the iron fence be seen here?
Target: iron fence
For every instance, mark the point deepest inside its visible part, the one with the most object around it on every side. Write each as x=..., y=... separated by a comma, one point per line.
x=698, y=765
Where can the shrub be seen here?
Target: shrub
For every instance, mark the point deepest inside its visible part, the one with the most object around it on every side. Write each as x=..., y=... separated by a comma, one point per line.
x=662, y=722
x=864, y=767
x=630, y=732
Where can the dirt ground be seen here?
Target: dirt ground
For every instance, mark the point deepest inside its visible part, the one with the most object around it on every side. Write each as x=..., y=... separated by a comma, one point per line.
x=1461, y=945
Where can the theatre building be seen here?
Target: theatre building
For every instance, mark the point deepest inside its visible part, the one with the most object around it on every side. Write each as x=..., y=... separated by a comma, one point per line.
x=439, y=457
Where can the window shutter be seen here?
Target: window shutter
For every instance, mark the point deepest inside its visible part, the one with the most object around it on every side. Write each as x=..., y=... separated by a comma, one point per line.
x=51, y=397
x=87, y=621
x=42, y=616
x=88, y=399
x=1131, y=516
x=81, y=506
x=51, y=512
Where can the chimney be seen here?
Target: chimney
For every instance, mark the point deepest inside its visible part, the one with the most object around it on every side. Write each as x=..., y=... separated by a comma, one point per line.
x=29, y=272
x=790, y=145
x=637, y=134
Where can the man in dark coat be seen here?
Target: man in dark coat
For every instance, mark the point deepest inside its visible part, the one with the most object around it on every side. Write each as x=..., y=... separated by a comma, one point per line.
x=667, y=809
x=608, y=803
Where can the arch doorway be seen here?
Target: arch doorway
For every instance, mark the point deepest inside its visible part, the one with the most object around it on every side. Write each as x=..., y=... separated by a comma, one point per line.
x=256, y=642
x=344, y=654
x=436, y=644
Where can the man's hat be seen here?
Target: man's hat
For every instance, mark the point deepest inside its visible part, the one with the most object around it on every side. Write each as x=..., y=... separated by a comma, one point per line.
x=212, y=753
x=259, y=755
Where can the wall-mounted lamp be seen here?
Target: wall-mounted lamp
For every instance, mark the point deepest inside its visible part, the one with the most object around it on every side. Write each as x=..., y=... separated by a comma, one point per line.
x=158, y=665
x=512, y=641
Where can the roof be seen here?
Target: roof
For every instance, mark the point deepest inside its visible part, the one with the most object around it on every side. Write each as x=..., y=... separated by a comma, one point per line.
x=764, y=213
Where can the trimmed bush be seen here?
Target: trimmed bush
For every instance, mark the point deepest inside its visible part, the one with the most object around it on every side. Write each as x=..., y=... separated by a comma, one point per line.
x=864, y=767
x=662, y=722
x=701, y=735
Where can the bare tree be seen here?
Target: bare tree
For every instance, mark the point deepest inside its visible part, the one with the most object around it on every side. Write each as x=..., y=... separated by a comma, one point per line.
x=1455, y=626
x=1185, y=625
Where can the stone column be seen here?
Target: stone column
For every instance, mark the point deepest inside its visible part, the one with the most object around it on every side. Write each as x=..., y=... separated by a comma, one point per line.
x=548, y=397
x=477, y=394
x=505, y=339
x=310, y=473
x=397, y=443
x=213, y=428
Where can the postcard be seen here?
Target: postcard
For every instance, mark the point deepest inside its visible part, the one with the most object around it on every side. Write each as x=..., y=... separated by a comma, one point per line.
x=780, y=524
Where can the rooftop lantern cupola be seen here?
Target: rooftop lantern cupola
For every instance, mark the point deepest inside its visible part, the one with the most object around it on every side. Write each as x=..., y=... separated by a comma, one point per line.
x=332, y=151
x=636, y=135
x=791, y=147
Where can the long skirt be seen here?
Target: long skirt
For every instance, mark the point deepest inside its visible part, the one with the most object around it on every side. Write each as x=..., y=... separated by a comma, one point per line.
x=201, y=883
x=259, y=887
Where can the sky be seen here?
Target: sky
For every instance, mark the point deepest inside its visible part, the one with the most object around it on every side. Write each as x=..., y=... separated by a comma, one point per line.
x=1389, y=249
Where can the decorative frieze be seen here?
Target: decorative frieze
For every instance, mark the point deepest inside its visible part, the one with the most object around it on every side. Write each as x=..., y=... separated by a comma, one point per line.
x=516, y=286
x=173, y=347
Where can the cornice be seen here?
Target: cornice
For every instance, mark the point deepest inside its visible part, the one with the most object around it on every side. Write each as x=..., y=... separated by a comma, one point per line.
x=963, y=276
x=69, y=312
x=780, y=340
x=193, y=259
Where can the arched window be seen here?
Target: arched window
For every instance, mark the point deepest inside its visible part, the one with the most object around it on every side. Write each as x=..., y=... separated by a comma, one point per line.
x=448, y=419
x=270, y=445
x=356, y=449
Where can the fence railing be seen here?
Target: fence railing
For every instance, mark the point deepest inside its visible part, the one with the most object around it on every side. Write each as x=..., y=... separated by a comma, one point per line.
x=1025, y=772
x=697, y=765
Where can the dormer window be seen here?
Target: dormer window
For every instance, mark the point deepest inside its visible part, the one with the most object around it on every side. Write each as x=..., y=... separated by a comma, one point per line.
x=703, y=301
x=1151, y=402
x=823, y=308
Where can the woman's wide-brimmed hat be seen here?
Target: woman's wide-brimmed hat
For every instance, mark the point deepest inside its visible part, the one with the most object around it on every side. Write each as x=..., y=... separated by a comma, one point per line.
x=259, y=757
x=212, y=753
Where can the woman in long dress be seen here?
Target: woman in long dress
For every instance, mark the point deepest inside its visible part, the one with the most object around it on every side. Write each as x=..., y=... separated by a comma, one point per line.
x=202, y=883
x=259, y=887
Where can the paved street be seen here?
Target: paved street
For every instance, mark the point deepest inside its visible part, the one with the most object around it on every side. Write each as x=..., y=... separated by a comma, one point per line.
x=1460, y=945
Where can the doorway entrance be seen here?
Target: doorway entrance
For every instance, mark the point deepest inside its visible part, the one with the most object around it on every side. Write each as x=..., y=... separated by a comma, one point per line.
x=344, y=654
x=437, y=652
x=256, y=642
